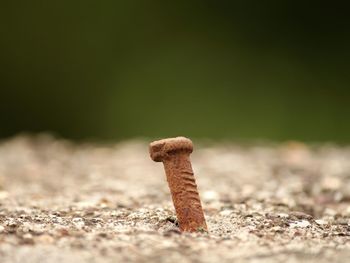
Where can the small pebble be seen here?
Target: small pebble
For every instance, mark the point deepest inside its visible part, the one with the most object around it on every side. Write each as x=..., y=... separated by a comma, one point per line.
x=78, y=222
x=210, y=196
x=3, y=195
x=321, y=222
x=300, y=224
x=300, y=215
x=283, y=215
x=27, y=239
x=226, y=212
x=45, y=239
x=331, y=183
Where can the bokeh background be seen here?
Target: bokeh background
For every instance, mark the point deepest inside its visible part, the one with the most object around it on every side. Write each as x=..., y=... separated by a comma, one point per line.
x=240, y=70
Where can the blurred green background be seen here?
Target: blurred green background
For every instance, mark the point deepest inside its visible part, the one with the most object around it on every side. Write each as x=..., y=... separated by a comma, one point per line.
x=109, y=70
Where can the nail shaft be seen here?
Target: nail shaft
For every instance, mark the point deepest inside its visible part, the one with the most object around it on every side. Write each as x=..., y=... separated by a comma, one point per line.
x=175, y=155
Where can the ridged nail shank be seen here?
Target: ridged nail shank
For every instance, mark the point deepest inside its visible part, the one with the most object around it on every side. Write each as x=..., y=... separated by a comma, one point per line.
x=174, y=153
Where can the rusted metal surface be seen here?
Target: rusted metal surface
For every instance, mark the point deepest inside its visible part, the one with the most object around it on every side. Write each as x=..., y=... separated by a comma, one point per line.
x=175, y=155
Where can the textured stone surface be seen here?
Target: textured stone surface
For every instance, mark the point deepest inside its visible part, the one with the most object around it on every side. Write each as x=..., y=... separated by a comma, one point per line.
x=65, y=202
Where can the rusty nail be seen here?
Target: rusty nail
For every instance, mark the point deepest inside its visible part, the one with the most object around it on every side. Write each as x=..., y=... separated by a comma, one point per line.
x=175, y=155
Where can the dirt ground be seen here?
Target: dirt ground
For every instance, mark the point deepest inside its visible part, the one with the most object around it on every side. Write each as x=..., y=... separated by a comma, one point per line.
x=66, y=202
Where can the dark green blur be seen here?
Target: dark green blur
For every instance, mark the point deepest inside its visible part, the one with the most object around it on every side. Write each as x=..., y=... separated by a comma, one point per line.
x=275, y=70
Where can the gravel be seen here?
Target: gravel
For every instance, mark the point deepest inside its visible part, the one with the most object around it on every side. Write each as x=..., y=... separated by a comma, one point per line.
x=67, y=202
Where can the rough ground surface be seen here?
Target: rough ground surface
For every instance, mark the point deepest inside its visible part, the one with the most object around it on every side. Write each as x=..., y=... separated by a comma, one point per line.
x=64, y=202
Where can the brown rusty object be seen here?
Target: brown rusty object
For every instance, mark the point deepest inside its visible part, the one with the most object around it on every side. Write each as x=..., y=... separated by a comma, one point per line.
x=175, y=155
